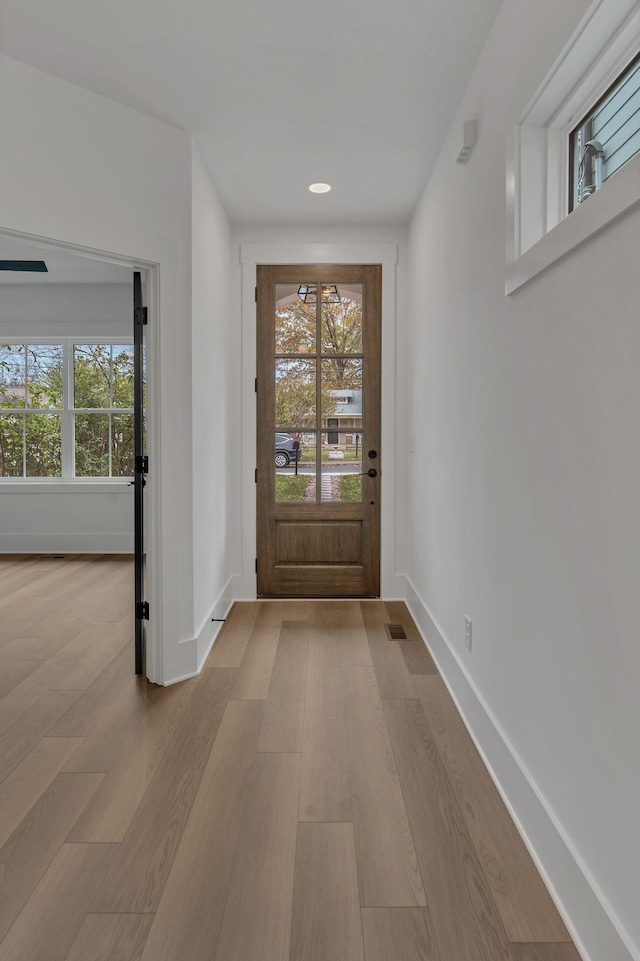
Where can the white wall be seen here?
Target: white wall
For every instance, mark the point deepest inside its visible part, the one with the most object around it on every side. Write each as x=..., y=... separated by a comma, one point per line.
x=215, y=406
x=83, y=170
x=325, y=244
x=523, y=494
x=66, y=310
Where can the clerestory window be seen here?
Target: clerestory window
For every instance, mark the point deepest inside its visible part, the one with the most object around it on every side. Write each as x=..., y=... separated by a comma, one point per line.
x=607, y=137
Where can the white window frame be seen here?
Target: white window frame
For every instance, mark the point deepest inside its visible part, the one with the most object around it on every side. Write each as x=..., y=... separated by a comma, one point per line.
x=540, y=231
x=67, y=414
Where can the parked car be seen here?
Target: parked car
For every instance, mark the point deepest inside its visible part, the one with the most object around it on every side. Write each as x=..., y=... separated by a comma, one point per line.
x=285, y=451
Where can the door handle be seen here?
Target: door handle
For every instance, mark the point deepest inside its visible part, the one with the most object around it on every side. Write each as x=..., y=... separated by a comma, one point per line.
x=372, y=472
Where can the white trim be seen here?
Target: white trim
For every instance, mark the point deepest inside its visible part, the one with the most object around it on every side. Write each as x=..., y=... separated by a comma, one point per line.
x=207, y=633
x=592, y=923
x=72, y=485
x=539, y=230
x=251, y=255
x=63, y=543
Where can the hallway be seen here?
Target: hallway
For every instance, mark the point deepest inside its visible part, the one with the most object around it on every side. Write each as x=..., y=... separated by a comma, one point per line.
x=313, y=795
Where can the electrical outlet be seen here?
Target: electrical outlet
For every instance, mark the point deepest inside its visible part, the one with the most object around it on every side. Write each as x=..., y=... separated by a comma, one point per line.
x=467, y=632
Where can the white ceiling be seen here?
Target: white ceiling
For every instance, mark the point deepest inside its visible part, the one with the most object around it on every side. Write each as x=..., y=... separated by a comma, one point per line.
x=277, y=93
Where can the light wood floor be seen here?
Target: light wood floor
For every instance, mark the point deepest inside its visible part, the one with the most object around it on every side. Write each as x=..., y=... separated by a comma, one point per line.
x=313, y=796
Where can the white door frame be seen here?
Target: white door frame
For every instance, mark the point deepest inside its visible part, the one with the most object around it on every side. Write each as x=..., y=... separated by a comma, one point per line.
x=153, y=488
x=392, y=583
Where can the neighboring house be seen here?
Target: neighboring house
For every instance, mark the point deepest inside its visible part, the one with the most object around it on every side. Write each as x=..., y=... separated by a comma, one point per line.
x=346, y=419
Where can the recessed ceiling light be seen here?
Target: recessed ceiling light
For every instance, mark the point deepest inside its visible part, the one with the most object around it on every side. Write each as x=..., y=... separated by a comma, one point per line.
x=319, y=188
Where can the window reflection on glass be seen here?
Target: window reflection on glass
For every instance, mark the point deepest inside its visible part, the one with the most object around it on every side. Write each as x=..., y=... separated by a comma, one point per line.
x=295, y=322
x=341, y=471
x=295, y=393
x=342, y=321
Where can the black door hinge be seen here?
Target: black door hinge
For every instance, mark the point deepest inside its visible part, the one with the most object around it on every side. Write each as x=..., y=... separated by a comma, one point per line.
x=256, y=295
x=142, y=465
x=256, y=565
x=142, y=611
x=255, y=386
x=256, y=476
x=140, y=315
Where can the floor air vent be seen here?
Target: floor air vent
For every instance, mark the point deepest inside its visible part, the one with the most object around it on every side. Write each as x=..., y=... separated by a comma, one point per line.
x=396, y=632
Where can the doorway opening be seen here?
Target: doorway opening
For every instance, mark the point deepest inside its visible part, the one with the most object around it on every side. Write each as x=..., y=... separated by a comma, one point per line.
x=72, y=418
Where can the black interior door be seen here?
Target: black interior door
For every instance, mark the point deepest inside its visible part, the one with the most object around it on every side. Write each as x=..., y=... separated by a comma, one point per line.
x=141, y=466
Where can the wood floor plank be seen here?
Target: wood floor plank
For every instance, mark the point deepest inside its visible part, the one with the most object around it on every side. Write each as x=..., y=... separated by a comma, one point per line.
x=138, y=874
x=111, y=937
x=326, y=907
x=254, y=674
x=85, y=712
x=30, y=779
x=388, y=870
x=48, y=675
x=33, y=845
x=465, y=920
x=524, y=904
x=390, y=666
x=558, y=951
x=417, y=657
x=47, y=926
x=325, y=784
x=399, y=613
x=25, y=695
x=284, y=708
x=138, y=738
x=295, y=610
x=21, y=738
x=231, y=643
x=341, y=621
x=189, y=916
x=257, y=917
x=14, y=672
x=399, y=934
x=103, y=643
x=140, y=720
x=46, y=637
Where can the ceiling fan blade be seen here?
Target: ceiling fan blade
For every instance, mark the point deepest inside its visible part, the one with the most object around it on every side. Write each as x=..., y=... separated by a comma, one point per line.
x=37, y=266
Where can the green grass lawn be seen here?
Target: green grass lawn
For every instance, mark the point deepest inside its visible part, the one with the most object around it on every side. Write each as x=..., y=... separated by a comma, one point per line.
x=350, y=487
x=291, y=487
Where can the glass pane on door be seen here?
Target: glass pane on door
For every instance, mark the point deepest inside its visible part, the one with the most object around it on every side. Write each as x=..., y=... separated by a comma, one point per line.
x=295, y=393
x=295, y=321
x=341, y=470
x=342, y=319
x=295, y=467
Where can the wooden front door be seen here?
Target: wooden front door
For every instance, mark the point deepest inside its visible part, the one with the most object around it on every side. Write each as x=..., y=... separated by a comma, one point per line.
x=318, y=418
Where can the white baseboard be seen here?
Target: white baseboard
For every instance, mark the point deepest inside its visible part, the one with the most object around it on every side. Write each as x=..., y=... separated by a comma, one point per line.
x=202, y=643
x=63, y=543
x=596, y=931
